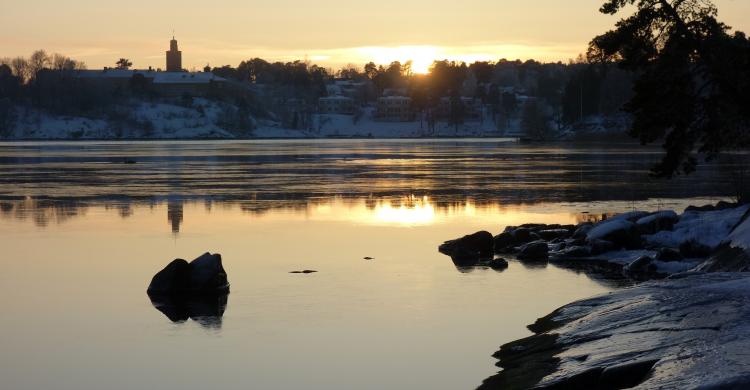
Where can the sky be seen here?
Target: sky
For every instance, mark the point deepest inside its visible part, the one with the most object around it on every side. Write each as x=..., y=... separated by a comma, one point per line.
x=331, y=33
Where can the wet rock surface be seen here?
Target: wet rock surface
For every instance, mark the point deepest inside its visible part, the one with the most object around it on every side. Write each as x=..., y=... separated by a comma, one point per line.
x=680, y=333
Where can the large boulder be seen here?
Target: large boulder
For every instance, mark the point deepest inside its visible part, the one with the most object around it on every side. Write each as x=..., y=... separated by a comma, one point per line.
x=656, y=222
x=175, y=277
x=205, y=274
x=473, y=246
x=535, y=250
x=618, y=231
x=503, y=241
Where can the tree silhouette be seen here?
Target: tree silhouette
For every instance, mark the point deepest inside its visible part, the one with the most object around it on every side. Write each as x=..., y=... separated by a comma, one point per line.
x=123, y=63
x=692, y=87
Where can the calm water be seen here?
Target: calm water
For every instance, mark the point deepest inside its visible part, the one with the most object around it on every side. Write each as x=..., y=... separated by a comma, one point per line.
x=82, y=233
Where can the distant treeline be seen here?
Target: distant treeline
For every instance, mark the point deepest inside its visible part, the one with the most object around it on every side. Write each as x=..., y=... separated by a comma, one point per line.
x=570, y=91
x=562, y=93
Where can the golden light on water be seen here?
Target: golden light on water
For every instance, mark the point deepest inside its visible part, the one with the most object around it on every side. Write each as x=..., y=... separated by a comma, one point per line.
x=418, y=212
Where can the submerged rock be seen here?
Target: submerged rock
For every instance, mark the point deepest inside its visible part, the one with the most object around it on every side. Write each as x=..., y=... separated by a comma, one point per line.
x=205, y=274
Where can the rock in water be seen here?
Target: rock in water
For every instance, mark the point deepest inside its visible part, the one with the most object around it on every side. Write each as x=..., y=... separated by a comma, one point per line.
x=207, y=274
x=498, y=263
x=202, y=275
x=536, y=250
x=175, y=277
x=477, y=245
x=502, y=241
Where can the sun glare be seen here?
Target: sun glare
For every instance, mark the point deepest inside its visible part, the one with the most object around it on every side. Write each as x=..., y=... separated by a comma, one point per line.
x=420, y=56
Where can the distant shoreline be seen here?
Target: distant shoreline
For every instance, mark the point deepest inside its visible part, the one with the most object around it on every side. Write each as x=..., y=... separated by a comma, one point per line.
x=595, y=138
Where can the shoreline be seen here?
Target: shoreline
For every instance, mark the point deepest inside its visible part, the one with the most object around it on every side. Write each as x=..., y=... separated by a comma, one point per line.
x=595, y=138
x=684, y=332
x=690, y=285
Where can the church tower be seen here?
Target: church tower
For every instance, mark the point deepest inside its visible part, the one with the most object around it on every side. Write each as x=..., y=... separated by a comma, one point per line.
x=174, y=57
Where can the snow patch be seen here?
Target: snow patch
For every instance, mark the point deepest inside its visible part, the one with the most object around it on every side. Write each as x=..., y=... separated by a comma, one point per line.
x=709, y=228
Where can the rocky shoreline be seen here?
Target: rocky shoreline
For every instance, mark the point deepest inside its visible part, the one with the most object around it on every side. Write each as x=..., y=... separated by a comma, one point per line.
x=663, y=333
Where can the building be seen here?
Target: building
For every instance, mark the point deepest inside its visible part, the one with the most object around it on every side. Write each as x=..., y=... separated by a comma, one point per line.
x=175, y=82
x=394, y=109
x=472, y=108
x=174, y=57
x=165, y=84
x=336, y=105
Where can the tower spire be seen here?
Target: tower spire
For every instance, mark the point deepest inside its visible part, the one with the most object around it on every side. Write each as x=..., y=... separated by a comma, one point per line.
x=174, y=56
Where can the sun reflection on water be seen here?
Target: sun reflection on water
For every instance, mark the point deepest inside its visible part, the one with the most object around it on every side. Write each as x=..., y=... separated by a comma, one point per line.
x=414, y=212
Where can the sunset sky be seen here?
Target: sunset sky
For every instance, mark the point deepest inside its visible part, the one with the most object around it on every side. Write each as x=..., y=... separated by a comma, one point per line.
x=328, y=32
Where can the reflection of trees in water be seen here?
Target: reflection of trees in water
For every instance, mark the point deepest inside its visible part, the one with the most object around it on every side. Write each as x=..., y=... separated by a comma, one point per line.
x=46, y=211
x=42, y=212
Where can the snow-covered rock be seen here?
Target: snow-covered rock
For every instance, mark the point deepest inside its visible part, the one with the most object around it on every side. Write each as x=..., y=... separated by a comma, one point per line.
x=619, y=231
x=708, y=228
x=656, y=222
x=691, y=331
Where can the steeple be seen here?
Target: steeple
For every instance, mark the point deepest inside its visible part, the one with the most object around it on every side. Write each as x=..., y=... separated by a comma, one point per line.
x=174, y=57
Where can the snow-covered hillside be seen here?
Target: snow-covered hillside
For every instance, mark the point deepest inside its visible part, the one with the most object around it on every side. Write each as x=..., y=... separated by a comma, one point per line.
x=204, y=118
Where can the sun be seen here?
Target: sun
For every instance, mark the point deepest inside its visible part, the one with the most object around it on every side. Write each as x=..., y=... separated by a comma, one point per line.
x=421, y=57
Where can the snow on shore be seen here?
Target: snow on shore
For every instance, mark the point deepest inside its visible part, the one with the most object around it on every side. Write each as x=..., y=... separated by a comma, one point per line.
x=206, y=119
x=708, y=228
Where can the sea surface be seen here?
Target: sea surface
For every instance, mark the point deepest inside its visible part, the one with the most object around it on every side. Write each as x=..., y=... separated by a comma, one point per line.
x=85, y=225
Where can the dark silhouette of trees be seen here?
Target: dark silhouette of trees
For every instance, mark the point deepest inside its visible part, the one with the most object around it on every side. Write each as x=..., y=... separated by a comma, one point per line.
x=9, y=90
x=693, y=78
x=457, y=111
x=534, y=120
x=123, y=63
x=509, y=105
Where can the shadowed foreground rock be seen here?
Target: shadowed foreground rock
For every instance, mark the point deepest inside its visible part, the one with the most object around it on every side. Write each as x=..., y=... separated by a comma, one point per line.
x=205, y=274
x=196, y=290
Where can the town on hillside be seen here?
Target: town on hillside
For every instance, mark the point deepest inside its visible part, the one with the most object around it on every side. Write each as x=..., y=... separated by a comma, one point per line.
x=55, y=97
